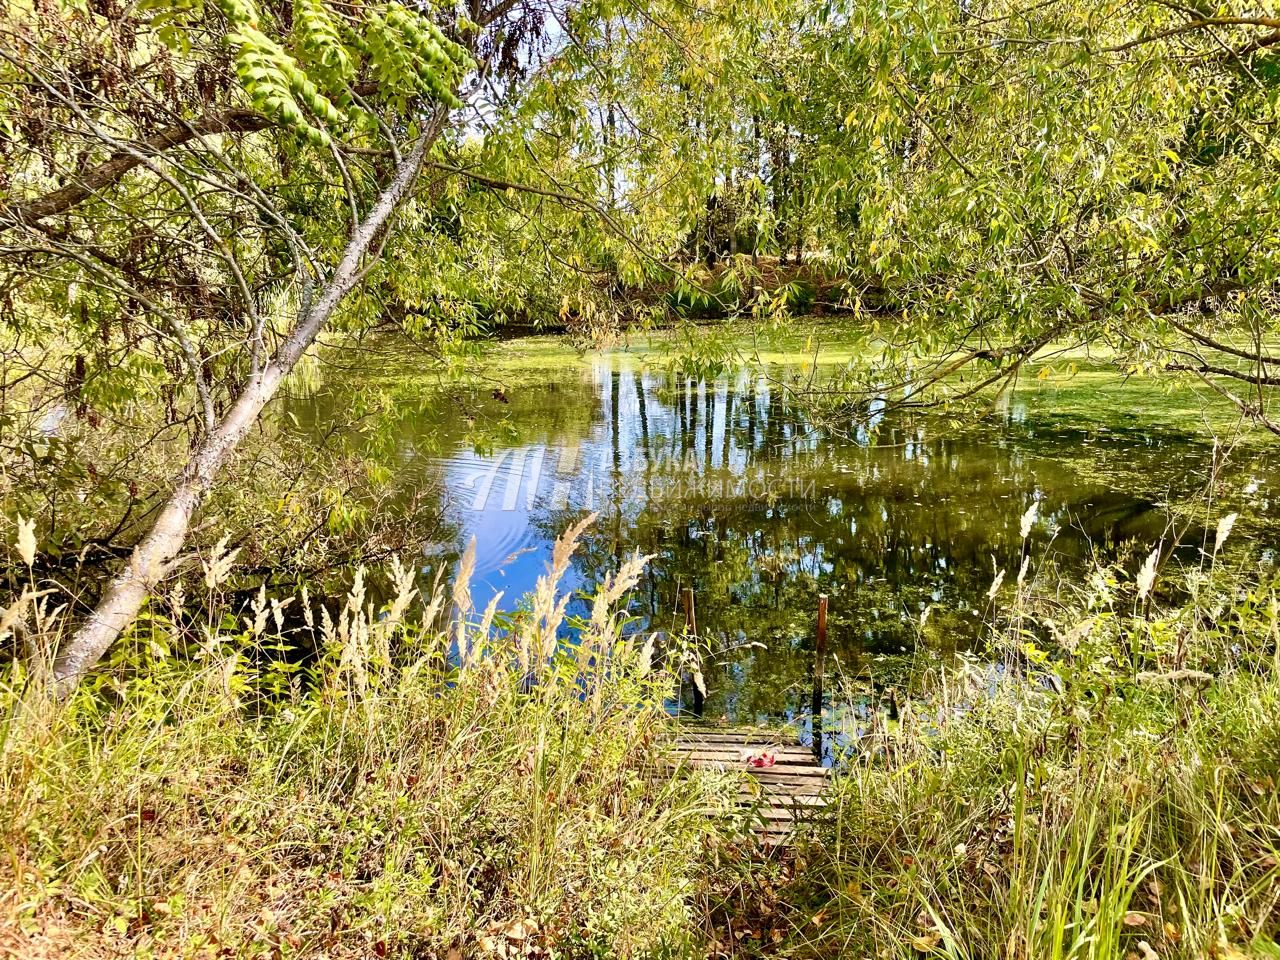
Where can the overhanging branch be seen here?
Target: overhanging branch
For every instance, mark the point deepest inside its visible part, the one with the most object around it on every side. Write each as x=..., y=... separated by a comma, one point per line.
x=121, y=162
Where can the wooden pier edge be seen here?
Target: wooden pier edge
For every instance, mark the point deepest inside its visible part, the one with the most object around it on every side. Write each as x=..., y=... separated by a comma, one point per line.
x=790, y=790
x=782, y=796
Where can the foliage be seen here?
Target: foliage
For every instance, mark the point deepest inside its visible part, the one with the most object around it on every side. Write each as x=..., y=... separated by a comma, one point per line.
x=181, y=181
x=405, y=790
x=1020, y=824
x=174, y=197
x=993, y=177
x=1107, y=789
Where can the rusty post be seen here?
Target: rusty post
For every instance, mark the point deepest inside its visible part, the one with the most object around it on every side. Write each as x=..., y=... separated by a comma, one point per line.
x=819, y=662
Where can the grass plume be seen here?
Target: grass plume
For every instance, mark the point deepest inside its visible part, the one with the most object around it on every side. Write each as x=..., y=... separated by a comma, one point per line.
x=379, y=801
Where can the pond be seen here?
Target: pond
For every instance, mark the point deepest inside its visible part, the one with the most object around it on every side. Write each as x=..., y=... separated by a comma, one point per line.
x=737, y=493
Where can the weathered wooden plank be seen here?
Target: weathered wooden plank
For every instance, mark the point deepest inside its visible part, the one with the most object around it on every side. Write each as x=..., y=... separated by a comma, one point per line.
x=773, y=781
x=740, y=759
x=717, y=762
x=778, y=796
x=779, y=779
x=789, y=814
x=780, y=791
x=764, y=739
x=740, y=747
x=743, y=745
x=801, y=795
x=719, y=743
x=784, y=767
x=791, y=772
x=739, y=739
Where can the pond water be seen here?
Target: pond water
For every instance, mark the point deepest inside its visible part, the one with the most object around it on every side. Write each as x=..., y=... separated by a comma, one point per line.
x=739, y=495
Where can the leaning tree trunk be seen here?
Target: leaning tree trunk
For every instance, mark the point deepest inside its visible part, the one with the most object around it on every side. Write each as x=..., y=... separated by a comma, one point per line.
x=150, y=559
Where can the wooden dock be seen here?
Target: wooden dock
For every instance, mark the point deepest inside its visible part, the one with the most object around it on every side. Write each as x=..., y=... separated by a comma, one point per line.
x=782, y=795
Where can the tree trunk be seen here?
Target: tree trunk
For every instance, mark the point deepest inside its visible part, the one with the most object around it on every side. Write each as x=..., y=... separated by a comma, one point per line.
x=150, y=559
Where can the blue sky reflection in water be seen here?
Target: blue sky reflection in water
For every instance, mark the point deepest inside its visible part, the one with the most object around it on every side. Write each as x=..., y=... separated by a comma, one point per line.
x=738, y=494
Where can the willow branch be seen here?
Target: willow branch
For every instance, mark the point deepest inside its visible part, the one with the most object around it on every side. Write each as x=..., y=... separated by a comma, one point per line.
x=126, y=159
x=1221, y=347
x=1217, y=371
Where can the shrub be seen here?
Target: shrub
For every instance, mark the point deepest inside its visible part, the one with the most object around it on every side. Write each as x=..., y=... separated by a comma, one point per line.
x=420, y=790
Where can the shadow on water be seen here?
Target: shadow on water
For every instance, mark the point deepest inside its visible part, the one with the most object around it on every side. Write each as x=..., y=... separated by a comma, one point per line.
x=735, y=493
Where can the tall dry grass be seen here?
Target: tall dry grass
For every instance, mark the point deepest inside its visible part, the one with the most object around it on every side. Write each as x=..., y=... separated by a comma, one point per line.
x=1101, y=784
x=428, y=786
x=442, y=782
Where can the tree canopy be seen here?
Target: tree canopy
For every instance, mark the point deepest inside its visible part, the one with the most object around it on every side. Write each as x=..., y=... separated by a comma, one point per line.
x=194, y=193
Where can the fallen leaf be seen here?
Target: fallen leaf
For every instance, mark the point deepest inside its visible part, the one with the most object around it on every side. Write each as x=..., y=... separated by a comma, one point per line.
x=1135, y=919
x=519, y=929
x=1134, y=787
x=926, y=942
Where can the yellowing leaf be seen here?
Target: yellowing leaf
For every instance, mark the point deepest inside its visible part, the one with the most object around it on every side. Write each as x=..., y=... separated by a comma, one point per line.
x=926, y=942
x=27, y=540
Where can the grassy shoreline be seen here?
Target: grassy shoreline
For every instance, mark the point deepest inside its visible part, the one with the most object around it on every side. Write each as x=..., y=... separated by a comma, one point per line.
x=445, y=790
x=1104, y=786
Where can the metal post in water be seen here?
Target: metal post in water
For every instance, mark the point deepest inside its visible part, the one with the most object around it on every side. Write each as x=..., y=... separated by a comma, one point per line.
x=819, y=661
x=691, y=630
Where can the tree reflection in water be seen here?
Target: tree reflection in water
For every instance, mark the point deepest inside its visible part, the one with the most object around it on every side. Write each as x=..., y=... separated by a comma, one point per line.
x=735, y=492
